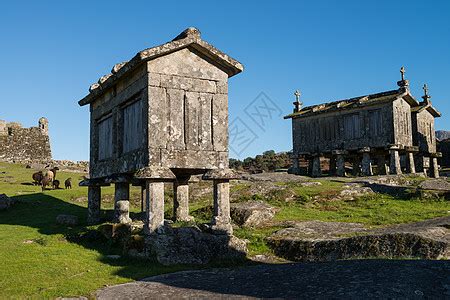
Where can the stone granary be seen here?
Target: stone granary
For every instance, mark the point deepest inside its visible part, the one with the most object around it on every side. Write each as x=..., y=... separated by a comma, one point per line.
x=18, y=144
x=162, y=117
x=391, y=130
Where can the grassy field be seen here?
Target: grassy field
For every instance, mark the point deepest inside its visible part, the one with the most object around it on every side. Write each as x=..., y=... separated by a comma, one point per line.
x=38, y=257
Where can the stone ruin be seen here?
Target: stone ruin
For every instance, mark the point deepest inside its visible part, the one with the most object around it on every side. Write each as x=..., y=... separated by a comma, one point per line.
x=18, y=144
x=391, y=130
x=162, y=117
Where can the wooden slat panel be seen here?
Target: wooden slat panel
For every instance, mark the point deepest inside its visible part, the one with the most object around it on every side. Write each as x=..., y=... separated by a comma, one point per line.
x=132, y=127
x=105, y=144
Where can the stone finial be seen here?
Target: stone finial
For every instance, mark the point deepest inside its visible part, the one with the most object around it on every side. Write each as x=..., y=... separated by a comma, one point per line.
x=189, y=32
x=117, y=67
x=297, y=103
x=403, y=83
x=426, y=97
x=104, y=78
x=93, y=87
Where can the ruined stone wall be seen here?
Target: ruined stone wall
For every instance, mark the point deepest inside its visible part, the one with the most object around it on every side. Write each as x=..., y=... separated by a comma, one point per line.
x=19, y=144
x=353, y=129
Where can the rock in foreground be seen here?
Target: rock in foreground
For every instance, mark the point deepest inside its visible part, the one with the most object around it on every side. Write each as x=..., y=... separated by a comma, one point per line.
x=325, y=241
x=252, y=213
x=190, y=245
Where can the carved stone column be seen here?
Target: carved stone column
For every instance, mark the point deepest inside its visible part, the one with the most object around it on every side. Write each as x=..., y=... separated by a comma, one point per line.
x=383, y=168
x=316, y=170
x=94, y=203
x=154, y=177
x=181, y=199
x=121, y=209
x=221, y=222
x=295, y=168
x=434, y=166
x=394, y=162
x=94, y=199
x=366, y=162
x=340, y=162
x=333, y=165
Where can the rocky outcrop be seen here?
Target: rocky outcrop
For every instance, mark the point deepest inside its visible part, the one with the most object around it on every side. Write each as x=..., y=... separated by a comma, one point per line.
x=325, y=241
x=190, y=245
x=252, y=213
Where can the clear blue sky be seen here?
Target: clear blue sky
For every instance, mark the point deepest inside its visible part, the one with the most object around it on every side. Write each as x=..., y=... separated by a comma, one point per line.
x=51, y=51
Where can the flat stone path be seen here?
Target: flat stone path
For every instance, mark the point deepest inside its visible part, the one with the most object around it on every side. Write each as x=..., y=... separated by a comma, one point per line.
x=339, y=279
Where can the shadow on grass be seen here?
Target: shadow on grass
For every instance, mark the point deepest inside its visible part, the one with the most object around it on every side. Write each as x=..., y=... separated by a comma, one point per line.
x=40, y=211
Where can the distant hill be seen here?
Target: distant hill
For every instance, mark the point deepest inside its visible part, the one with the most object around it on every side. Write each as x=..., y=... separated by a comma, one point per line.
x=442, y=135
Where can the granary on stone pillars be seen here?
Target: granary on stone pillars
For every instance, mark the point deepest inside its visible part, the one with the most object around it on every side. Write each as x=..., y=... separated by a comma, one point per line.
x=158, y=118
x=390, y=130
x=424, y=136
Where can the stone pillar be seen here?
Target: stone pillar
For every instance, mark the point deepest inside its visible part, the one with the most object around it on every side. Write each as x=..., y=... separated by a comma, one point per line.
x=295, y=168
x=154, y=177
x=316, y=170
x=310, y=166
x=394, y=162
x=333, y=165
x=383, y=168
x=366, y=162
x=221, y=220
x=410, y=162
x=434, y=167
x=154, y=199
x=356, y=166
x=121, y=210
x=340, y=165
x=94, y=201
x=181, y=199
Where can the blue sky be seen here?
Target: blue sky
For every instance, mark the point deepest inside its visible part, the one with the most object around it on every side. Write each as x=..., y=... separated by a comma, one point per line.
x=53, y=50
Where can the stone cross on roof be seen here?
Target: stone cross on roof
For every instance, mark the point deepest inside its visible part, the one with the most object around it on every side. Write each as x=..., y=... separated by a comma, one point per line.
x=403, y=83
x=426, y=97
x=402, y=71
x=297, y=103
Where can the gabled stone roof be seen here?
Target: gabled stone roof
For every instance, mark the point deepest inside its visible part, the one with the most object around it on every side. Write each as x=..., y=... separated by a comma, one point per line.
x=355, y=102
x=189, y=38
x=426, y=106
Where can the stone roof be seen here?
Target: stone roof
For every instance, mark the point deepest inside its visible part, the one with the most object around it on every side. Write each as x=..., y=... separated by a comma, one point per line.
x=355, y=102
x=424, y=105
x=189, y=38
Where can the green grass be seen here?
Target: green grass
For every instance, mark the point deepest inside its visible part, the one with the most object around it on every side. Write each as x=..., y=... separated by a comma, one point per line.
x=40, y=259
x=36, y=257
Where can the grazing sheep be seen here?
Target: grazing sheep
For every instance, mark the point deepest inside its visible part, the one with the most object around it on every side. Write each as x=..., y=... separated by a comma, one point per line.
x=56, y=184
x=68, y=183
x=50, y=175
x=37, y=177
x=46, y=181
